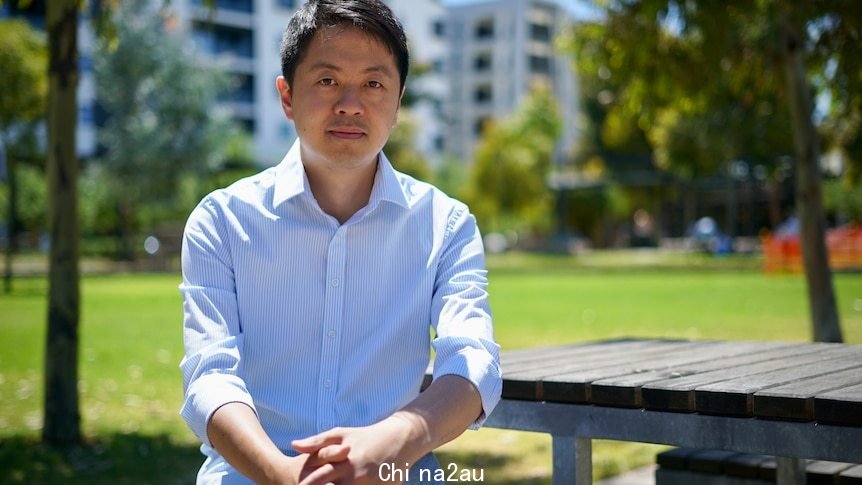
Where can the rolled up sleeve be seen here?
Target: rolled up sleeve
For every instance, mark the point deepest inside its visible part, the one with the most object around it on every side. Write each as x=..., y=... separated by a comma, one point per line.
x=464, y=342
x=212, y=334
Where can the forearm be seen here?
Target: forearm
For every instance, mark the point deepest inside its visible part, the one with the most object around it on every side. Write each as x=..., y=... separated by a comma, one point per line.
x=235, y=432
x=438, y=415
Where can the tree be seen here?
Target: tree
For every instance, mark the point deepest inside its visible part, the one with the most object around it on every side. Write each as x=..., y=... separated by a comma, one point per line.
x=401, y=148
x=22, y=103
x=507, y=183
x=62, y=420
x=157, y=129
x=707, y=83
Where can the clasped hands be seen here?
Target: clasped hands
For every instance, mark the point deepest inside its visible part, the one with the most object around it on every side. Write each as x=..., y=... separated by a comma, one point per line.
x=351, y=456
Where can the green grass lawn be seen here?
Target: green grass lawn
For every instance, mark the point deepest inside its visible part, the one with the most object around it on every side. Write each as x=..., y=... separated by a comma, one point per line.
x=131, y=343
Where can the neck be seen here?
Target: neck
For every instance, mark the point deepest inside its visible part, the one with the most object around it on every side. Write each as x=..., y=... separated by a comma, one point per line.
x=341, y=192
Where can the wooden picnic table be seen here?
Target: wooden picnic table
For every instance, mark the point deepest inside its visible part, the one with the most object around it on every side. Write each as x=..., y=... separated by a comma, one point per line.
x=794, y=401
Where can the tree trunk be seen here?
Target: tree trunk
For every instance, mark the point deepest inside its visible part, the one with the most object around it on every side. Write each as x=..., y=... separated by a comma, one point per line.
x=12, y=217
x=809, y=199
x=62, y=417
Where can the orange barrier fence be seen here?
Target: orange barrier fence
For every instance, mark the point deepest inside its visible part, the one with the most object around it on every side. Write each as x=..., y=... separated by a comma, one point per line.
x=784, y=253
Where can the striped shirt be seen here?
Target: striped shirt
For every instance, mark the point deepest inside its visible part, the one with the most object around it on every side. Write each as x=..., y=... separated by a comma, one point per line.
x=316, y=324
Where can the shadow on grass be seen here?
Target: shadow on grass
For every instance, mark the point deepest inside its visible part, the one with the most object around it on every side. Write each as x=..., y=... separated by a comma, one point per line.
x=498, y=469
x=117, y=458
x=136, y=458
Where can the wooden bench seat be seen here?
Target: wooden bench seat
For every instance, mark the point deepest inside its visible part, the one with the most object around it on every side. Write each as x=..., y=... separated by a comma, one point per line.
x=680, y=466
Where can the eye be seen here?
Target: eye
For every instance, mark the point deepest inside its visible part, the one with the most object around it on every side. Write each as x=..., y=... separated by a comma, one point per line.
x=327, y=82
x=375, y=84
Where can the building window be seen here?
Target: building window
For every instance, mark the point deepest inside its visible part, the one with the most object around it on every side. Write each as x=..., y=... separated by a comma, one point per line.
x=220, y=39
x=485, y=29
x=243, y=91
x=483, y=94
x=541, y=33
x=482, y=62
x=246, y=125
x=540, y=65
x=438, y=66
x=438, y=27
x=439, y=143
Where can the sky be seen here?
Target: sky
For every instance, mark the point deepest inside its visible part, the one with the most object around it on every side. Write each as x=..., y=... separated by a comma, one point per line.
x=580, y=8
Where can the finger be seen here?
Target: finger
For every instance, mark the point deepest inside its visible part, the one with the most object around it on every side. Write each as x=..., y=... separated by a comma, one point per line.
x=328, y=473
x=329, y=454
x=316, y=442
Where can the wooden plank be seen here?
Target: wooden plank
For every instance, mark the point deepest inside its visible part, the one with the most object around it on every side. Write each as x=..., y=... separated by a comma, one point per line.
x=851, y=476
x=569, y=383
x=744, y=465
x=514, y=357
x=824, y=472
x=625, y=390
x=528, y=383
x=709, y=461
x=842, y=406
x=735, y=397
x=678, y=394
x=767, y=469
x=675, y=458
x=796, y=400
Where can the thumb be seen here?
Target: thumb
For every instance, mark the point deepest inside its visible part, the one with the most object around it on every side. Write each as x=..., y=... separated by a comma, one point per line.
x=328, y=454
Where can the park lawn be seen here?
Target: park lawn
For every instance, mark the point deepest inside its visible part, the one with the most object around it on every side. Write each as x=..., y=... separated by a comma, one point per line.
x=131, y=343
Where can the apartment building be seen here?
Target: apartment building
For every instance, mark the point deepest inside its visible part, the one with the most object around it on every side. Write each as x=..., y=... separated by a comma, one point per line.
x=498, y=50
x=479, y=61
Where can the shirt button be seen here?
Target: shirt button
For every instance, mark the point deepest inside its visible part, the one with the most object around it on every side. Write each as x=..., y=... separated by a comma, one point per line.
x=331, y=333
x=334, y=281
x=327, y=383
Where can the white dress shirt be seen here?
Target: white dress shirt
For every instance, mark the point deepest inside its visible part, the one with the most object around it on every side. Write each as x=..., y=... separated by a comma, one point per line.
x=316, y=324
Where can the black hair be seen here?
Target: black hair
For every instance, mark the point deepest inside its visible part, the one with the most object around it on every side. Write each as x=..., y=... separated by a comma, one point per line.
x=372, y=16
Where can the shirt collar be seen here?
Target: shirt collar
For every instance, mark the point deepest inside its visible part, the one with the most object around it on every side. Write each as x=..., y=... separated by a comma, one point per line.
x=388, y=186
x=290, y=178
x=291, y=181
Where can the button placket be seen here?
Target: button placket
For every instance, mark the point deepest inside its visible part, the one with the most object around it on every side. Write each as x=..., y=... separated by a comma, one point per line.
x=333, y=312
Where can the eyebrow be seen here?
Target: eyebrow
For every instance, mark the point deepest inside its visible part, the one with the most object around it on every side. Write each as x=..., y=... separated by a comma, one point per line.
x=381, y=68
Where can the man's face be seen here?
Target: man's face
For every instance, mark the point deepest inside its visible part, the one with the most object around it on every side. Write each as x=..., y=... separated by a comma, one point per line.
x=344, y=99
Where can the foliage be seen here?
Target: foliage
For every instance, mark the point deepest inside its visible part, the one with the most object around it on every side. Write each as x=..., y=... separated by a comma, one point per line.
x=451, y=177
x=401, y=148
x=161, y=122
x=24, y=58
x=843, y=200
x=507, y=186
x=702, y=80
x=32, y=188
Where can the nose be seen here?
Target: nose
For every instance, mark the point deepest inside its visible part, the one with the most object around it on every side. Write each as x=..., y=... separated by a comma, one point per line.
x=349, y=103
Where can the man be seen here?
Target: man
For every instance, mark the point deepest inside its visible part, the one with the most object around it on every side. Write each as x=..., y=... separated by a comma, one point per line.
x=308, y=289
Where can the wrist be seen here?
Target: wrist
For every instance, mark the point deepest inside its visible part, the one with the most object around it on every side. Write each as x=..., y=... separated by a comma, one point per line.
x=412, y=434
x=281, y=469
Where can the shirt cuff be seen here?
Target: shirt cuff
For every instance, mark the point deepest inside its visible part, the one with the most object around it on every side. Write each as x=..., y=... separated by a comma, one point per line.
x=481, y=368
x=208, y=393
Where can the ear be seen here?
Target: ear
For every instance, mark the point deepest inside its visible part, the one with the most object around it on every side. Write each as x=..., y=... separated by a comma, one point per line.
x=398, y=108
x=286, y=95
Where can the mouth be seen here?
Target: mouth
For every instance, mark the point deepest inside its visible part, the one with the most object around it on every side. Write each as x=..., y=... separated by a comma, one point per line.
x=347, y=133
